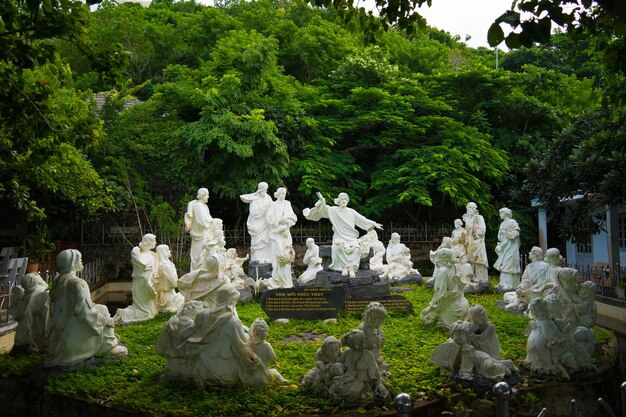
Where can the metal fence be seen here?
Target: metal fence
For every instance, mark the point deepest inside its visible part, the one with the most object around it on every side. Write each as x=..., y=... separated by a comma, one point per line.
x=103, y=234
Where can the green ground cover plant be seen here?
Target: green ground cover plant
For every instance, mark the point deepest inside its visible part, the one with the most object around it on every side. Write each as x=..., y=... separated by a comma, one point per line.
x=136, y=382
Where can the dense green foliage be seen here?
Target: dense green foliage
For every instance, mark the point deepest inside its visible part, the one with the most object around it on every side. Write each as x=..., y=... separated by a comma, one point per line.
x=412, y=127
x=135, y=382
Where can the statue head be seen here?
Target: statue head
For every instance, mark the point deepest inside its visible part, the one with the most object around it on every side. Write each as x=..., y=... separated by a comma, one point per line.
x=538, y=308
x=212, y=265
x=553, y=257
x=163, y=251
x=374, y=314
x=262, y=188
x=259, y=329
x=69, y=260
x=447, y=242
x=478, y=316
x=535, y=254
x=280, y=193
x=471, y=208
x=587, y=290
x=32, y=280
x=342, y=200
x=190, y=309
x=395, y=238
x=203, y=194
x=458, y=223
x=310, y=242
x=330, y=350
x=460, y=331
x=227, y=294
x=553, y=305
x=567, y=277
x=445, y=256
x=354, y=339
x=148, y=241
x=505, y=213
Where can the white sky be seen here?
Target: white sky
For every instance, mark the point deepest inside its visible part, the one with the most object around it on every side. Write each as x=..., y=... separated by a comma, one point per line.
x=457, y=17
x=465, y=17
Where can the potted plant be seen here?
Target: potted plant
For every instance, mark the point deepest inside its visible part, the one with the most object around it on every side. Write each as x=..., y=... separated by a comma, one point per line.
x=35, y=246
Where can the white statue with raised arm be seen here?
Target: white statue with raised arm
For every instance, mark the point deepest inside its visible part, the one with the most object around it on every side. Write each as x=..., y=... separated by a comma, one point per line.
x=345, y=251
x=258, y=227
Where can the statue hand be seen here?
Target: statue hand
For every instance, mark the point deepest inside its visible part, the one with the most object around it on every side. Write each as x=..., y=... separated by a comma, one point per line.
x=378, y=226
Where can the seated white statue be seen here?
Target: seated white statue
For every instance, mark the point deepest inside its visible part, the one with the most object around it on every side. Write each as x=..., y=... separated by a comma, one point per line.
x=79, y=328
x=219, y=349
x=361, y=381
x=549, y=349
x=345, y=251
x=259, y=345
x=399, y=264
x=232, y=268
x=166, y=280
x=459, y=355
x=173, y=336
x=484, y=338
x=373, y=318
x=312, y=260
x=30, y=308
x=203, y=283
x=285, y=255
x=448, y=303
x=533, y=283
x=587, y=311
x=144, y=306
x=327, y=366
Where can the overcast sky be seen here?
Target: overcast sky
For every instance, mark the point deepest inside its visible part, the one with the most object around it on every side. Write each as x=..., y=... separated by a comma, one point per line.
x=465, y=17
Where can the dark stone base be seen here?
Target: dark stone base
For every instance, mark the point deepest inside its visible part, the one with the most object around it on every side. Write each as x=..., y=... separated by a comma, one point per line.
x=479, y=288
x=500, y=290
x=410, y=279
x=482, y=385
x=259, y=270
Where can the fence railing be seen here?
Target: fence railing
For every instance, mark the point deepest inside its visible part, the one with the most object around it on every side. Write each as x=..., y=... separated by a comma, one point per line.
x=97, y=233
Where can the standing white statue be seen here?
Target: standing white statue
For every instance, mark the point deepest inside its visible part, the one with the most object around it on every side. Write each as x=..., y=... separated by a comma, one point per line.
x=345, y=252
x=475, y=243
x=508, y=262
x=258, y=228
x=280, y=218
x=198, y=222
x=166, y=282
x=399, y=264
x=79, y=328
x=448, y=303
x=312, y=260
x=459, y=239
x=144, y=306
x=30, y=308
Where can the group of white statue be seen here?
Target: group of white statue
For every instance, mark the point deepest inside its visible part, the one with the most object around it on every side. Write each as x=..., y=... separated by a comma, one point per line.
x=206, y=342
x=356, y=375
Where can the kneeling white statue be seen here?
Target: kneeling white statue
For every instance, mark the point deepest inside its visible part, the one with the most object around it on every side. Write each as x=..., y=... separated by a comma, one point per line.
x=312, y=260
x=398, y=260
x=30, y=308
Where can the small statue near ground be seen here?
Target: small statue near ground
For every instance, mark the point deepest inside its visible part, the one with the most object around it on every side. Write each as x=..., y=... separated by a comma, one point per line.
x=361, y=382
x=312, y=260
x=30, y=308
x=327, y=366
x=373, y=318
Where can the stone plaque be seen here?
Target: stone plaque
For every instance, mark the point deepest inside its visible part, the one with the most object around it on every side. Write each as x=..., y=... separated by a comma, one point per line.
x=309, y=303
x=391, y=302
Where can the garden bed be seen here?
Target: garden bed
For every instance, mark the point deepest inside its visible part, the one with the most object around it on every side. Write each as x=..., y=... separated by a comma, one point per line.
x=136, y=384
